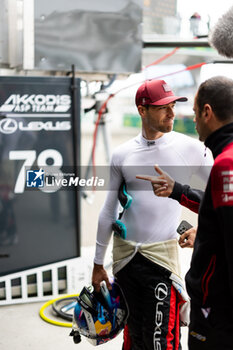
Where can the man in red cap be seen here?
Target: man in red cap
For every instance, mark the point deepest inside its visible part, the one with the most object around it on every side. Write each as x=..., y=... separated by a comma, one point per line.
x=145, y=248
x=159, y=119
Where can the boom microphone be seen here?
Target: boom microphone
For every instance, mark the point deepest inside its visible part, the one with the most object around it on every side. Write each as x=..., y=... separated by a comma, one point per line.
x=221, y=37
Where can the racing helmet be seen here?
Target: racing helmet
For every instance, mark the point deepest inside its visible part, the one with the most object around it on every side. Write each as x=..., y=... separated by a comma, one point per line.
x=99, y=316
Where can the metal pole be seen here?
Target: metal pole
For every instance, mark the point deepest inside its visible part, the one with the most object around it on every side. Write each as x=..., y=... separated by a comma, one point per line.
x=175, y=43
x=75, y=118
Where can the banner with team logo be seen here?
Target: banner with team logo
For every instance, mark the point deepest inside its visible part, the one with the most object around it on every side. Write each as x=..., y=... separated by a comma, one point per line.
x=37, y=227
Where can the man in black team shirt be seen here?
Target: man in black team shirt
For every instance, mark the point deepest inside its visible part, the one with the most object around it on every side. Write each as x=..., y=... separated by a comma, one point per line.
x=209, y=280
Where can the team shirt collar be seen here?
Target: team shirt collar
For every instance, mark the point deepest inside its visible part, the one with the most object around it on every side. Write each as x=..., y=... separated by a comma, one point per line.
x=152, y=143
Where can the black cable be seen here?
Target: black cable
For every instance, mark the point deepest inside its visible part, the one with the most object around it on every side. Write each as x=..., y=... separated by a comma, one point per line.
x=86, y=110
x=64, y=303
x=111, y=81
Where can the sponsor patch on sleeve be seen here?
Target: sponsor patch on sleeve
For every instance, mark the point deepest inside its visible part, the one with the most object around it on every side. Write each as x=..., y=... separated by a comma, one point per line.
x=222, y=186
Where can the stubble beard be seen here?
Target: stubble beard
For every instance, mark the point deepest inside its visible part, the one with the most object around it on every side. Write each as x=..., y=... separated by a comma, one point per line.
x=166, y=129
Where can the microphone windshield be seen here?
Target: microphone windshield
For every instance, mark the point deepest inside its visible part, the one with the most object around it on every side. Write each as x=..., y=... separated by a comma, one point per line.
x=221, y=37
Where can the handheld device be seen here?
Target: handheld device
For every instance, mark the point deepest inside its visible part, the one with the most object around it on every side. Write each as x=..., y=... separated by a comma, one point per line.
x=183, y=227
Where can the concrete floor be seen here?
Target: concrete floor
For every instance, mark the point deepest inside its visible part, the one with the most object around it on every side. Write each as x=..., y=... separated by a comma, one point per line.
x=21, y=327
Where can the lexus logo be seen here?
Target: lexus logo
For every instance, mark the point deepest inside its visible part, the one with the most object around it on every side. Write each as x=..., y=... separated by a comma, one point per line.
x=161, y=291
x=8, y=126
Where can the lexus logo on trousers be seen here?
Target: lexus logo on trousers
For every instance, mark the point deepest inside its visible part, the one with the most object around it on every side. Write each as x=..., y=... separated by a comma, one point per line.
x=161, y=291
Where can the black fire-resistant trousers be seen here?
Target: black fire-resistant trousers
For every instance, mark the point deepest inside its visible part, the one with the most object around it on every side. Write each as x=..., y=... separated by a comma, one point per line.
x=153, y=322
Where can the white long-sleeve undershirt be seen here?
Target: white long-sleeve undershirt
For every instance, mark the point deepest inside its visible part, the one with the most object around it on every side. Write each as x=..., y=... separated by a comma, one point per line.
x=149, y=218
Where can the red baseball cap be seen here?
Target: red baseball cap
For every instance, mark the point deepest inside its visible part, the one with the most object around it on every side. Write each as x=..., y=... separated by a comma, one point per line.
x=157, y=93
